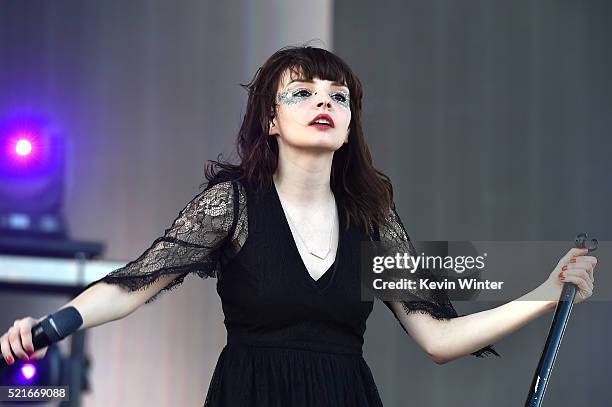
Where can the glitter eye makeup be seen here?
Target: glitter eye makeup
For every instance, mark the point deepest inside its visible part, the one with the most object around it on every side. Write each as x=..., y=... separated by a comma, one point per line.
x=293, y=96
x=343, y=98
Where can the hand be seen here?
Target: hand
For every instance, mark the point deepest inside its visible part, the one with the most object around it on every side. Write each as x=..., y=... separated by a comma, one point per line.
x=575, y=267
x=18, y=340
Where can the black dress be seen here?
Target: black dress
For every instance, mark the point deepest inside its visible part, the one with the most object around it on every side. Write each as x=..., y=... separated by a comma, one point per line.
x=292, y=341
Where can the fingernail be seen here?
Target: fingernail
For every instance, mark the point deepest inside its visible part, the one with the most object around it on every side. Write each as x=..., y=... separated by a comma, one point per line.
x=25, y=358
x=9, y=359
x=564, y=267
x=561, y=276
x=572, y=261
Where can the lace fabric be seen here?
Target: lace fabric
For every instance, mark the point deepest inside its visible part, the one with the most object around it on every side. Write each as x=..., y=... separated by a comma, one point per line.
x=192, y=244
x=213, y=227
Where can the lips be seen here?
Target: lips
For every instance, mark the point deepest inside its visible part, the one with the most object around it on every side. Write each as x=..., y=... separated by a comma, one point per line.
x=323, y=116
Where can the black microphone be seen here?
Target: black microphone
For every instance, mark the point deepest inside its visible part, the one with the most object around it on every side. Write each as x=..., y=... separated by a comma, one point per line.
x=53, y=329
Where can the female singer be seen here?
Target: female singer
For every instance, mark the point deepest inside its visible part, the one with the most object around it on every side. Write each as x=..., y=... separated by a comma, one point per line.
x=281, y=232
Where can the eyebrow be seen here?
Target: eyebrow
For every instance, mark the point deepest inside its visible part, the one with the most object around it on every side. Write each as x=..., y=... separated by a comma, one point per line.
x=311, y=81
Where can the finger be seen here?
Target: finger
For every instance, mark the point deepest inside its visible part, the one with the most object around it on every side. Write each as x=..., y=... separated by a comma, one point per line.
x=26, y=336
x=587, y=263
x=583, y=259
x=6, y=349
x=585, y=267
x=580, y=284
x=15, y=342
x=574, y=267
x=577, y=278
x=39, y=354
x=574, y=252
x=589, y=271
x=580, y=271
x=585, y=276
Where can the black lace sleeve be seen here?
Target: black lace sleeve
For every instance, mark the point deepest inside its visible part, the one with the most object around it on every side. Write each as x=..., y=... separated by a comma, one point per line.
x=436, y=303
x=192, y=244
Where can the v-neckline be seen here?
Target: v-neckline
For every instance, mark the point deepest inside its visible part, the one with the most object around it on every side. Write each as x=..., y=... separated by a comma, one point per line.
x=304, y=272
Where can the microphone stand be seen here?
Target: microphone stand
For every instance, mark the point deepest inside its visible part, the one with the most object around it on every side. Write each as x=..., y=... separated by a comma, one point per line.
x=555, y=334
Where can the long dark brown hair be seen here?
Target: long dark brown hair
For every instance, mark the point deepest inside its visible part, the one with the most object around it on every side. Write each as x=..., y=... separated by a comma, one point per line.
x=366, y=193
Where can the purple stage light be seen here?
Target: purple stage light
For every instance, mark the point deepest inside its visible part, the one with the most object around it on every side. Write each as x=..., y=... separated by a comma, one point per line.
x=28, y=371
x=27, y=148
x=32, y=165
x=23, y=147
x=21, y=152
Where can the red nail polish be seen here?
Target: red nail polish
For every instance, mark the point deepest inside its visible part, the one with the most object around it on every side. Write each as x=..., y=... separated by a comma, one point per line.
x=564, y=267
x=572, y=261
x=561, y=276
x=9, y=360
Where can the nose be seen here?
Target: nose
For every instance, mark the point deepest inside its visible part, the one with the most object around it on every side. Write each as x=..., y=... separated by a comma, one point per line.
x=323, y=98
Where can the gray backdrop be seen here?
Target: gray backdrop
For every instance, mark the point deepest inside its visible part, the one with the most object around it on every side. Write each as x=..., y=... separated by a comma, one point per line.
x=488, y=116
x=492, y=118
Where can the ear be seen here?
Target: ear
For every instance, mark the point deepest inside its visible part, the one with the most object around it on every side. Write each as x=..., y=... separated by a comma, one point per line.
x=273, y=130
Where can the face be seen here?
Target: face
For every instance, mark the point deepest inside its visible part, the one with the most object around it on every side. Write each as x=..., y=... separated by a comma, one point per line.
x=299, y=102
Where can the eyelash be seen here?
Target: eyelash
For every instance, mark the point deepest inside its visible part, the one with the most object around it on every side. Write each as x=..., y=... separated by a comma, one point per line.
x=344, y=100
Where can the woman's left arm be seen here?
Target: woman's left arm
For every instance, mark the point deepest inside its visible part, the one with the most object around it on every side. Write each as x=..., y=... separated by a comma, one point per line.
x=447, y=340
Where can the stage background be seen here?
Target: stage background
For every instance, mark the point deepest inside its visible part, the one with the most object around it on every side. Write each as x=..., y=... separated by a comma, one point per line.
x=490, y=117
x=493, y=119
x=147, y=91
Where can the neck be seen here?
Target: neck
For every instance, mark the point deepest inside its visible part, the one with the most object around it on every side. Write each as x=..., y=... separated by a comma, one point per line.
x=304, y=178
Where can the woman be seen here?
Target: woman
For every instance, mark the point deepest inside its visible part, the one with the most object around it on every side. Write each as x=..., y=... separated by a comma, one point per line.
x=281, y=232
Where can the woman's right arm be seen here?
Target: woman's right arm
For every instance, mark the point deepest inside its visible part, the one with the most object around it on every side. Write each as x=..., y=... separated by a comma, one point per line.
x=104, y=302
x=191, y=245
x=99, y=304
